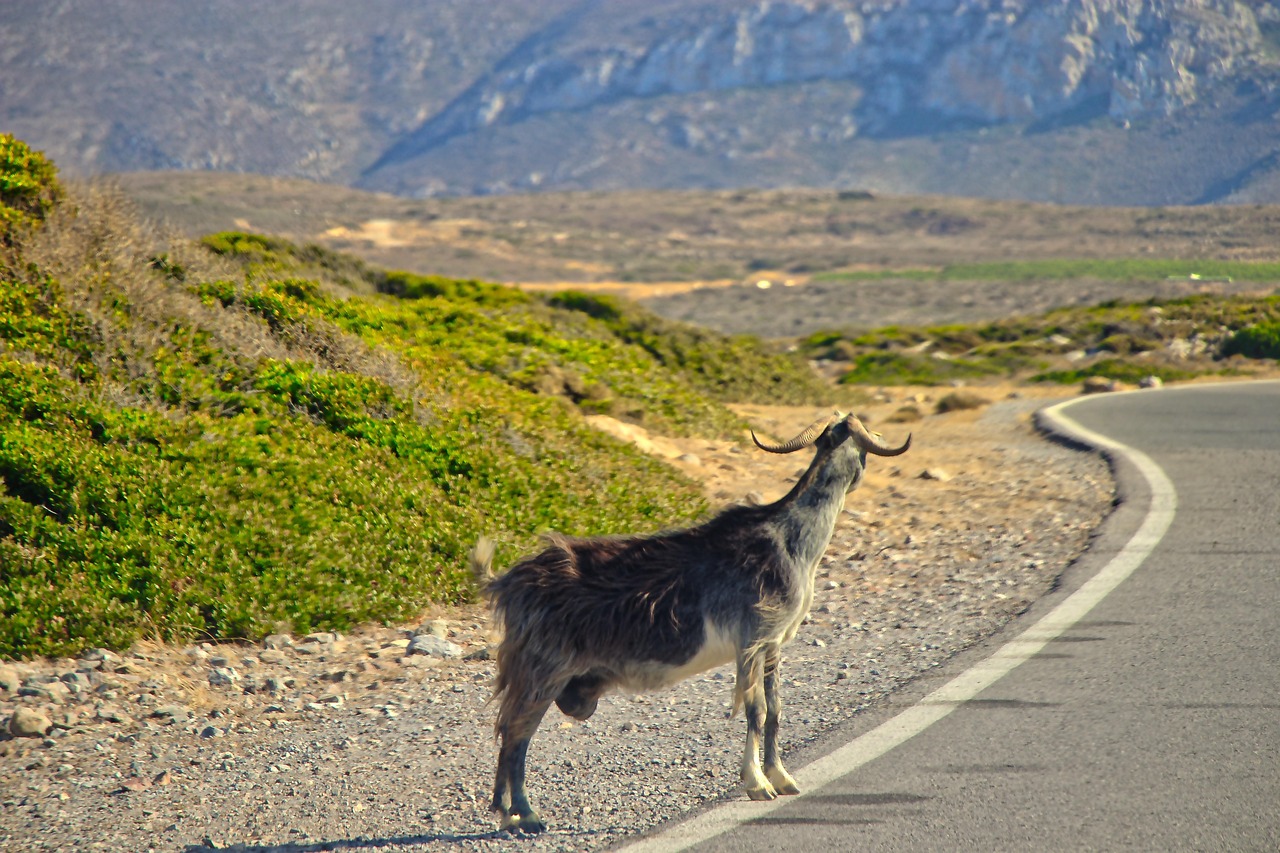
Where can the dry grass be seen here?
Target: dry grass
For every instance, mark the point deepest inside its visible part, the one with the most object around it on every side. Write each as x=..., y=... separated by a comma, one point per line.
x=98, y=238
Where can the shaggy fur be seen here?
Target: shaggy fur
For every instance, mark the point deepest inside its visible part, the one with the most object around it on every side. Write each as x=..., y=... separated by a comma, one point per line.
x=585, y=616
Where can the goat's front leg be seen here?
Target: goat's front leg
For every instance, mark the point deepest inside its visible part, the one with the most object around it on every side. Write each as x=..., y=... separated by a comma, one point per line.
x=773, y=769
x=510, y=800
x=750, y=688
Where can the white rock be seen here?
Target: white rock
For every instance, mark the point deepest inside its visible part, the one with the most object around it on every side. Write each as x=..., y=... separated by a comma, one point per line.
x=432, y=646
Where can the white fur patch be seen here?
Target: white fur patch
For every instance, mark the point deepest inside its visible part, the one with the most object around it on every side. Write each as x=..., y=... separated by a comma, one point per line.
x=718, y=648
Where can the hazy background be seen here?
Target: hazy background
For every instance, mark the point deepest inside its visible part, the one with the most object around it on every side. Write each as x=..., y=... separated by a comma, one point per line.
x=1119, y=102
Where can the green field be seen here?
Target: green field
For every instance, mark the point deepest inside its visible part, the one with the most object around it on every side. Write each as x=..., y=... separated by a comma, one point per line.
x=1107, y=269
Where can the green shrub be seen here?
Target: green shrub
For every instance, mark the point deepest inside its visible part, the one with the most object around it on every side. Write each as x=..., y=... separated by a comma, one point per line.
x=409, y=285
x=1114, y=368
x=739, y=369
x=904, y=415
x=895, y=368
x=959, y=401
x=29, y=186
x=1257, y=341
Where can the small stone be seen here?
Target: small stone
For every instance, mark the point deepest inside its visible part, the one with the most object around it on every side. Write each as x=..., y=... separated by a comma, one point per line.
x=485, y=653
x=432, y=646
x=9, y=680
x=326, y=638
x=135, y=784
x=277, y=642
x=689, y=459
x=49, y=691
x=173, y=713
x=164, y=777
x=27, y=722
x=1150, y=382
x=210, y=732
x=104, y=655
x=435, y=628
x=1099, y=385
x=935, y=474
x=77, y=682
x=111, y=714
x=223, y=675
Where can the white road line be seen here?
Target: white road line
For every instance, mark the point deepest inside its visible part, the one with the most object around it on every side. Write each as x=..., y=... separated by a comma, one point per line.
x=969, y=684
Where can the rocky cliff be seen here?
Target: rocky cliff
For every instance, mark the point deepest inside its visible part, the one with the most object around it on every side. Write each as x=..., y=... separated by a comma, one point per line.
x=433, y=96
x=949, y=61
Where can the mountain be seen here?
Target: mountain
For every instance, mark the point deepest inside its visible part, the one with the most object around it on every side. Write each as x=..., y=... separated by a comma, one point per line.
x=1083, y=101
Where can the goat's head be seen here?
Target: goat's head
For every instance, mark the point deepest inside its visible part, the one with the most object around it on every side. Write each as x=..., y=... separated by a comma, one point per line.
x=830, y=432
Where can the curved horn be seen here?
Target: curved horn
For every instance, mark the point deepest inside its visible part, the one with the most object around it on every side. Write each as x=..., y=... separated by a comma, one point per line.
x=871, y=443
x=807, y=437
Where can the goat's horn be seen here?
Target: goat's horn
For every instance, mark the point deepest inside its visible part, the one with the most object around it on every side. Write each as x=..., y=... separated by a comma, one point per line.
x=804, y=439
x=871, y=443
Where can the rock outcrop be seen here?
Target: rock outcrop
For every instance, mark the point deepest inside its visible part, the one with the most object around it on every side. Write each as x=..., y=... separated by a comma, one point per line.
x=954, y=61
x=1125, y=101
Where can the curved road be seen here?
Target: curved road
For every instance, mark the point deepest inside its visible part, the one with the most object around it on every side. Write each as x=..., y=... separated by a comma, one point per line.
x=1140, y=710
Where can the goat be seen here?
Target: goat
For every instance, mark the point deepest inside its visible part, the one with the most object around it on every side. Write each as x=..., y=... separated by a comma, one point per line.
x=640, y=613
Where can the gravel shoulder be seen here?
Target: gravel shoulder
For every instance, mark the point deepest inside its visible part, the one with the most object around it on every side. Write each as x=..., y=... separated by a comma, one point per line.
x=382, y=738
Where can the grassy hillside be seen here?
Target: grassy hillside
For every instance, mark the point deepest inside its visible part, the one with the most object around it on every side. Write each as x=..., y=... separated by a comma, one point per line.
x=219, y=440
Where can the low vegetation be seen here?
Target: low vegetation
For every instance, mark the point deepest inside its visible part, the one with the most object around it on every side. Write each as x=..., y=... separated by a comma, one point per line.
x=1170, y=339
x=221, y=440
x=1109, y=269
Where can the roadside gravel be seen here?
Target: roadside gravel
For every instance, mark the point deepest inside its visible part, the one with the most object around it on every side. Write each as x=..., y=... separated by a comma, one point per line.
x=382, y=739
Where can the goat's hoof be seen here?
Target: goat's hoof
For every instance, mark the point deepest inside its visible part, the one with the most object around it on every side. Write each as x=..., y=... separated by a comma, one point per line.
x=781, y=781
x=530, y=823
x=763, y=792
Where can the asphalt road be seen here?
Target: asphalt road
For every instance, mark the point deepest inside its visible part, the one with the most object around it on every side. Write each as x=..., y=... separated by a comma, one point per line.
x=1139, y=711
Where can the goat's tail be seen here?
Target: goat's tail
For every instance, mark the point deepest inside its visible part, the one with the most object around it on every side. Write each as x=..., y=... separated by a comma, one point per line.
x=481, y=559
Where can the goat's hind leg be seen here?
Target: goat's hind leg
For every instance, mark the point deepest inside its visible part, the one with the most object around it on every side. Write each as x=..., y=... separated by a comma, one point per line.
x=510, y=800
x=750, y=689
x=773, y=769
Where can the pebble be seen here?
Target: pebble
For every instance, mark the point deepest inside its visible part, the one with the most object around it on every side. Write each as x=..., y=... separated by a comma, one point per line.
x=223, y=675
x=27, y=722
x=433, y=646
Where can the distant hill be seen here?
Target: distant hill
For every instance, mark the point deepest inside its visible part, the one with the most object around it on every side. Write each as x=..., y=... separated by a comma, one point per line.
x=1090, y=101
